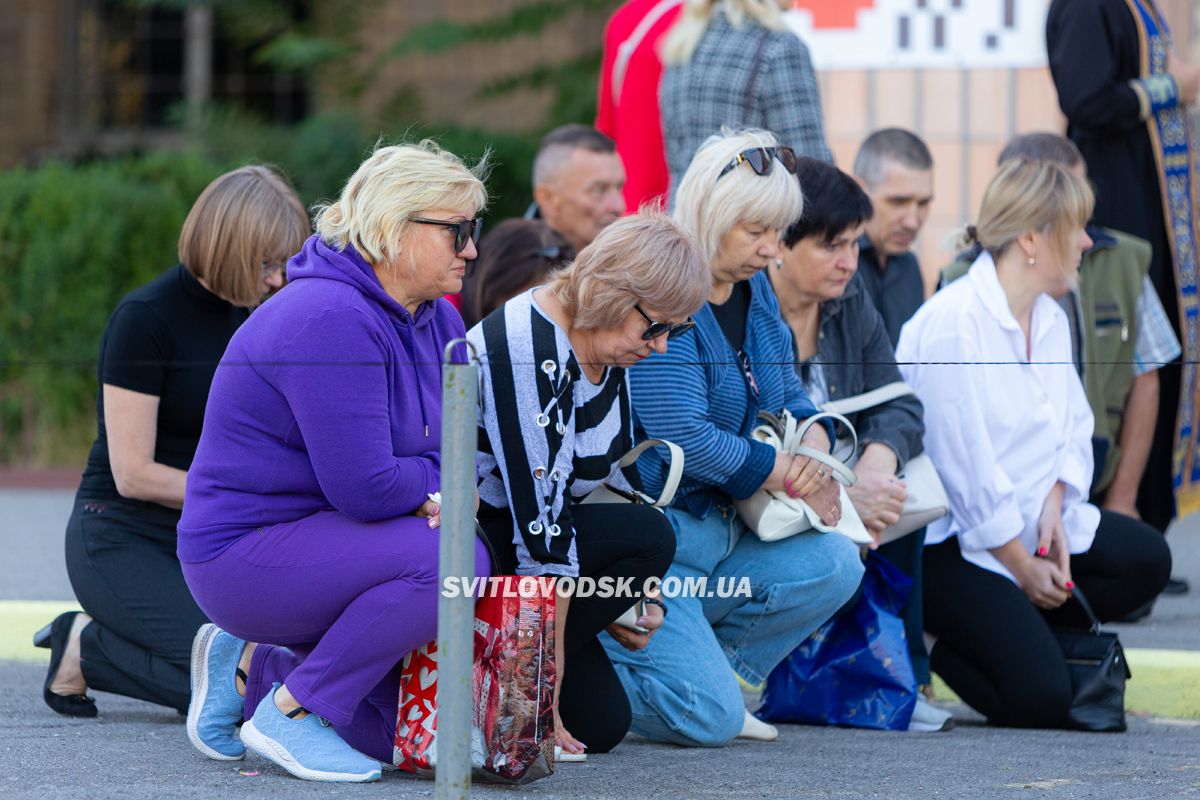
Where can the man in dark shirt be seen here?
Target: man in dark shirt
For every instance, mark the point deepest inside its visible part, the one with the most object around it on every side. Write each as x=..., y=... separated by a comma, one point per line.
x=895, y=168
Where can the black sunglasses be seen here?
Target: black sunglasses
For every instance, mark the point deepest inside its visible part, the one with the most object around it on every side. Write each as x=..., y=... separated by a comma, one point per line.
x=762, y=160
x=465, y=231
x=657, y=329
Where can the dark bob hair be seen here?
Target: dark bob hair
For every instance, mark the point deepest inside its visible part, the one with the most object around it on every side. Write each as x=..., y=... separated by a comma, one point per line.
x=515, y=255
x=833, y=202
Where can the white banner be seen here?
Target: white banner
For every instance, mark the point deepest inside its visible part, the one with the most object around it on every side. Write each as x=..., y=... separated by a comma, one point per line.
x=929, y=34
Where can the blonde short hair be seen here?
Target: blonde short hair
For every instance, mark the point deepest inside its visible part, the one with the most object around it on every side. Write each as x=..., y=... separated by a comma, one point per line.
x=693, y=22
x=644, y=258
x=1031, y=195
x=374, y=210
x=241, y=220
x=709, y=208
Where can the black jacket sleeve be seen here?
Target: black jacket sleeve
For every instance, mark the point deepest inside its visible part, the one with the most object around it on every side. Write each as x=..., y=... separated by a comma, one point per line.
x=899, y=423
x=1093, y=50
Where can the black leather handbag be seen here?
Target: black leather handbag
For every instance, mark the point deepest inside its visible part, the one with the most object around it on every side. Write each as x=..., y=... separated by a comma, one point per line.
x=1098, y=673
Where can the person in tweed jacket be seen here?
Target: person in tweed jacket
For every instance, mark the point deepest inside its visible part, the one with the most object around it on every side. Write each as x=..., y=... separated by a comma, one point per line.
x=734, y=63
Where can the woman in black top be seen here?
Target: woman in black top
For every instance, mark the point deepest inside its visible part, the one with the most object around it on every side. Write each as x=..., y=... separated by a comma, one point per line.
x=157, y=359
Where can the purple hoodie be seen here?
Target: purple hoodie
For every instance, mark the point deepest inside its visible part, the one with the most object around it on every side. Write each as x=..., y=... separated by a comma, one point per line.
x=328, y=397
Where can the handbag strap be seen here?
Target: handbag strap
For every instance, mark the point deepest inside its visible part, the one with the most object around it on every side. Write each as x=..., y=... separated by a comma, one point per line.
x=674, y=469
x=1077, y=593
x=836, y=417
x=748, y=96
x=626, y=49
x=793, y=434
x=875, y=397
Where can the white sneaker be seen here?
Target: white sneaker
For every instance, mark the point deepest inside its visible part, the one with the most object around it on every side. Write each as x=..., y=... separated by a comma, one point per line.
x=755, y=728
x=928, y=719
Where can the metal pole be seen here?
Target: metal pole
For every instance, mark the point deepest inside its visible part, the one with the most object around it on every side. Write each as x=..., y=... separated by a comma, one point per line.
x=197, y=59
x=456, y=558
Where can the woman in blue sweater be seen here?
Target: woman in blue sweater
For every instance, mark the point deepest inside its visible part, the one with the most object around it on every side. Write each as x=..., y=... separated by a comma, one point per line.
x=737, y=196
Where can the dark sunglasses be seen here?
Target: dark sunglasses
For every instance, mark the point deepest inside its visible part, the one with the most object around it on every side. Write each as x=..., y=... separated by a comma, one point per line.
x=762, y=160
x=465, y=231
x=657, y=329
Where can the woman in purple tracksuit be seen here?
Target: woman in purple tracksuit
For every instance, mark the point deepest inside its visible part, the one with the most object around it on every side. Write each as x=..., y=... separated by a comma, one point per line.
x=307, y=524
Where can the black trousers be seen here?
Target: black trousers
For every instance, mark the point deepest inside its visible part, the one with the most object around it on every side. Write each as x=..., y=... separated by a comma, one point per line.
x=123, y=568
x=1156, y=496
x=995, y=648
x=620, y=540
x=907, y=553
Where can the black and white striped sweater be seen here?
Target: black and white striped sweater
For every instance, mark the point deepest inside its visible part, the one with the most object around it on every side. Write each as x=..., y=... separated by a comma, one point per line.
x=547, y=435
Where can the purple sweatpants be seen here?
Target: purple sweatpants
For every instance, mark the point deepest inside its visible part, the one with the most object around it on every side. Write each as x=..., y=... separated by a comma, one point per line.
x=335, y=605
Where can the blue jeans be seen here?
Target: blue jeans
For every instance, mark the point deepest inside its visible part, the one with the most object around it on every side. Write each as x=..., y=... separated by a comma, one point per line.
x=682, y=687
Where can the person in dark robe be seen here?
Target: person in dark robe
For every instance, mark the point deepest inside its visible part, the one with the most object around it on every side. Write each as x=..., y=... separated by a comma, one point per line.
x=1125, y=94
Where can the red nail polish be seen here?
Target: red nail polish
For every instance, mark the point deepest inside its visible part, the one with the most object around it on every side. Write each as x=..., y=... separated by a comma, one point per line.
x=1042, y=552
x=1070, y=584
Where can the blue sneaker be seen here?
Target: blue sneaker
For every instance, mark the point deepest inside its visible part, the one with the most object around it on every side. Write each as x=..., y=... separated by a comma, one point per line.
x=216, y=707
x=308, y=748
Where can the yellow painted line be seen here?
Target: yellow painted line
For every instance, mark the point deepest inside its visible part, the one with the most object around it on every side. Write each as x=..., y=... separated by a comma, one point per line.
x=20, y=620
x=1165, y=683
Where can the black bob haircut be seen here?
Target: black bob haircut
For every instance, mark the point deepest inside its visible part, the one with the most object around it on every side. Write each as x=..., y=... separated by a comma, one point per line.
x=833, y=202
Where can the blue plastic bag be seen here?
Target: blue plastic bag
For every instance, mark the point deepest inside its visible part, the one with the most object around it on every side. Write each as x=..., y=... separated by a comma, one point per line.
x=855, y=669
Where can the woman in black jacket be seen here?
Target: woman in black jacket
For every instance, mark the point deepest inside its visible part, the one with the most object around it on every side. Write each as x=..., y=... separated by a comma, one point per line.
x=843, y=350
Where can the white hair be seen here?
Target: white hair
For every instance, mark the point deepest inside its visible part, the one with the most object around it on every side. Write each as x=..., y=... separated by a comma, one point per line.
x=708, y=207
x=392, y=185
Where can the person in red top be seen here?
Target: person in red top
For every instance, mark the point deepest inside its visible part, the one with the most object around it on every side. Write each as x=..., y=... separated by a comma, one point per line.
x=627, y=103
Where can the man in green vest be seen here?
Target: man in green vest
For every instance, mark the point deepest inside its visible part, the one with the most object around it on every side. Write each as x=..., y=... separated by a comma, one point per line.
x=1120, y=336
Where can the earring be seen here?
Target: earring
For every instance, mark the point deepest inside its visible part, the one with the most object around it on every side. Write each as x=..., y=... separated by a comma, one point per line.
x=1032, y=261
x=778, y=263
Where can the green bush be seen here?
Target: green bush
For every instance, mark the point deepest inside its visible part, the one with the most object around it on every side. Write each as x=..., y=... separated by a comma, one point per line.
x=73, y=241
x=75, y=238
x=320, y=154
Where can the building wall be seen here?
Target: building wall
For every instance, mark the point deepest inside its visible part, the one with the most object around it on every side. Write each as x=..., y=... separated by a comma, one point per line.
x=28, y=40
x=966, y=116
x=446, y=86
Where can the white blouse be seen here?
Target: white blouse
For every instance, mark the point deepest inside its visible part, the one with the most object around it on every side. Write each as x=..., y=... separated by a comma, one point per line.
x=1000, y=427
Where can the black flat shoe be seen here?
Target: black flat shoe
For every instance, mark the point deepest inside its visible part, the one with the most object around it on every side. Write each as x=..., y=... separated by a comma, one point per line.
x=1177, y=586
x=42, y=637
x=70, y=705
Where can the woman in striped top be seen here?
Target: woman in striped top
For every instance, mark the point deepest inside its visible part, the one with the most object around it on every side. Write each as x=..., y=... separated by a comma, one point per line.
x=555, y=420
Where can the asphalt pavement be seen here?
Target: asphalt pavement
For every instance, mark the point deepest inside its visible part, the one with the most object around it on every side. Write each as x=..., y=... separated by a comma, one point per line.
x=135, y=750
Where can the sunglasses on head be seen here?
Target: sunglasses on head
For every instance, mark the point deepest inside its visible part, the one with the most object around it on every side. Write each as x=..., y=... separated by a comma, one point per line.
x=762, y=160
x=465, y=231
x=657, y=329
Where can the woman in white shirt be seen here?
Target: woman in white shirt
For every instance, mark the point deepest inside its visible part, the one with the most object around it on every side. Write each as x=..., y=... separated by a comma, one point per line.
x=1009, y=428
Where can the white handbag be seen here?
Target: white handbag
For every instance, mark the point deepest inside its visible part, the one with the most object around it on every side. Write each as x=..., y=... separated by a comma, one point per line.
x=926, y=500
x=608, y=494
x=773, y=515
